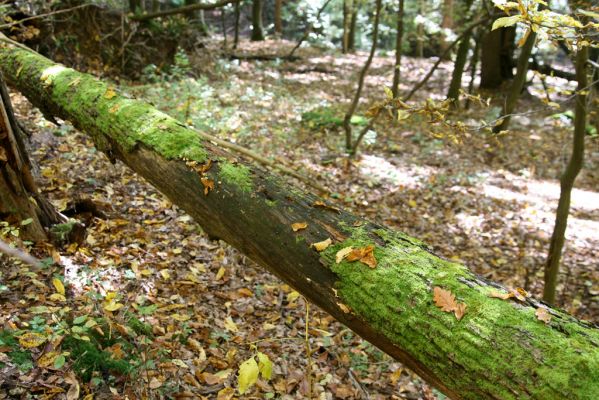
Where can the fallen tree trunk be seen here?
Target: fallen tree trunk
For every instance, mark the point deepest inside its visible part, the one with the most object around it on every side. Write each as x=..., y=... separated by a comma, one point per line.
x=499, y=349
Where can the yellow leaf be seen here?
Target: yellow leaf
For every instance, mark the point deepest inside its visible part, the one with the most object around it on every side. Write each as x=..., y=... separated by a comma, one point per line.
x=292, y=296
x=180, y=317
x=225, y=394
x=412, y=203
x=388, y=92
x=248, y=375
x=506, y=21
x=47, y=359
x=31, y=339
x=230, y=325
x=110, y=93
x=57, y=297
x=299, y=226
x=165, y=274
x=220, y=274
x=112, y=306
x=341, y=254
x=264, y=366
x=320, y=246
x=58, y=286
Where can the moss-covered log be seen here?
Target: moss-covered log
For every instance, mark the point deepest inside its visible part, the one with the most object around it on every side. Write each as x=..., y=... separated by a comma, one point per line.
x=498, y=350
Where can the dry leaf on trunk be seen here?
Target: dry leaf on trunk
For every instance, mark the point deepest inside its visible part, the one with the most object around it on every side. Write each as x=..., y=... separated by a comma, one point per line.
x=446, y=301
x=298, y=226
x=321, y=246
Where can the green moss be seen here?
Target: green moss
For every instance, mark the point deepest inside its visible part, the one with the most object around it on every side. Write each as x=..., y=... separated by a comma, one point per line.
x=139, y=327
x=61, y=231
x=100, y=110
x=88, y=358
x=238, y=175
x=396, y=298
x=271, y=203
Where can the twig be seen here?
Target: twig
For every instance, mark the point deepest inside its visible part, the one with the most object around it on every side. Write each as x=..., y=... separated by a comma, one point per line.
x=180, y=10
x=43, y=15
x=308, y=350
x=442, y=57
x=262, y=160
x=19, y=254
x=3, y=38
x=308, y=29
x=357, y=383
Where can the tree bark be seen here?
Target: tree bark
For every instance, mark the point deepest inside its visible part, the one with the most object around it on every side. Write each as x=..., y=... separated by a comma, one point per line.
x=19, y=195
x=347, y=14
x=257, y=29
x=496, y=58
x=237, y=18
x=420, y=31
x=498, y=350
x=278, y=18
x=351, y=44
x=446, y=23
x=567, y=180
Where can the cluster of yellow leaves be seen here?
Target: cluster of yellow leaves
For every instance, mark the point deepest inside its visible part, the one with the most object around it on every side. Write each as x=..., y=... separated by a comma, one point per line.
x=111, y=303
x=363, y=254
x=446, y=301
x=250, y=369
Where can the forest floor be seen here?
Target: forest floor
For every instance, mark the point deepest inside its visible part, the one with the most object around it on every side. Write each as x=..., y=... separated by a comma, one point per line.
x=147, y=288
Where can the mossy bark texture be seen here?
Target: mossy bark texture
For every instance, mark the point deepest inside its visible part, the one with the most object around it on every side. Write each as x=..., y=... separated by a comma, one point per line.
x=498, y=350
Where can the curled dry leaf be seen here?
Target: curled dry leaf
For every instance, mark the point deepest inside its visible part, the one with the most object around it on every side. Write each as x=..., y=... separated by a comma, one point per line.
x=363, y=254
x=208, y=185
x=446, y=301
x=321, y=246
x=322, y=204
x=543, y=315
x=298, y=226
x=500, y=295
x=341, y=254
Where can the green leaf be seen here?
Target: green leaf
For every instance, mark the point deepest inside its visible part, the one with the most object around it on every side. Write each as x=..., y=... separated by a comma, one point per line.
x=59, y=361
x=265, y=366
x=79, y=320
x=248, y=375
x=26, y=221
x=506, y=21
x=388, y=92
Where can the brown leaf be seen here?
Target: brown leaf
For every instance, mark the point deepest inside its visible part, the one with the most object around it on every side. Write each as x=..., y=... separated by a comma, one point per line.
x=460, y=310
x=364, y=255
x=369, y=259
x=320, y=246
x=298, y=226
x=321, y=204
x=208, y=185
x=543, y=315
x=444, y=299
x=500, y=295
x=205, y=167
x=341, y=254
x=520, y=294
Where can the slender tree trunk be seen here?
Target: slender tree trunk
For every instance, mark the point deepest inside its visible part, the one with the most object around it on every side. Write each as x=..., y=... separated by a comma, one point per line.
x=354, y=104
x=224, y=27
x=420, y=31
x=347, y=14
x=460, y=62
x=518, y=83
x=257, y=29
x=237, y=18
x=497, y=350
x=278, y=18
x=567, y=180
x=398, y=47
x=135, y=6
x=473, y=67
x=446, y=23
x=351, y=45
x=20, y=199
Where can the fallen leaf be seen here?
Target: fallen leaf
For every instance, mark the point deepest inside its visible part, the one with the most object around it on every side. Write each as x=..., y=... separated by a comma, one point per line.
x=220, y=274
x=73, y=393
x=444, y=299
x=460, y=310
x=264, y=365
x=363, y=254
x=520, y=294
x=208, y=185
x=31, y=339
x=299, y=226
x=543, y=315
x=58, y=286
x=248, y=375
x=225, y=394
x=230, y=325
x=343, y=308
x=321, y=204
x=47, y=359
x=155, y=383
x=320, y=246
x=110, y=93
x=112, y=306
x=341, y=254
x=500, y=295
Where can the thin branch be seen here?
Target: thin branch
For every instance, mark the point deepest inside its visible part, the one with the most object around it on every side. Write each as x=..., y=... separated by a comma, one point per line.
x=180, y=10
x=442, y=57
x=19, y=254
x=308, y=30
x=263, y=160
x=65, y=10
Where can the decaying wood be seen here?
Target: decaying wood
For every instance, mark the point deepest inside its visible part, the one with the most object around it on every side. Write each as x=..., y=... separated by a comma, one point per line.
x=488, y=344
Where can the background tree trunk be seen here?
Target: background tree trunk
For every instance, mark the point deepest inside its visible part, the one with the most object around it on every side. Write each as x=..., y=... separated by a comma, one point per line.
x=567, y=180
x=517, y=84
x=420, y=30
x=496, y=58
x=460, y=61
x=398, y=47
x=446, y=23
x=351, y=45
x=257, y=29
x=278, y=18
x=237, y=18
x=497, y=350
x=19, y=195
x=347, y=16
